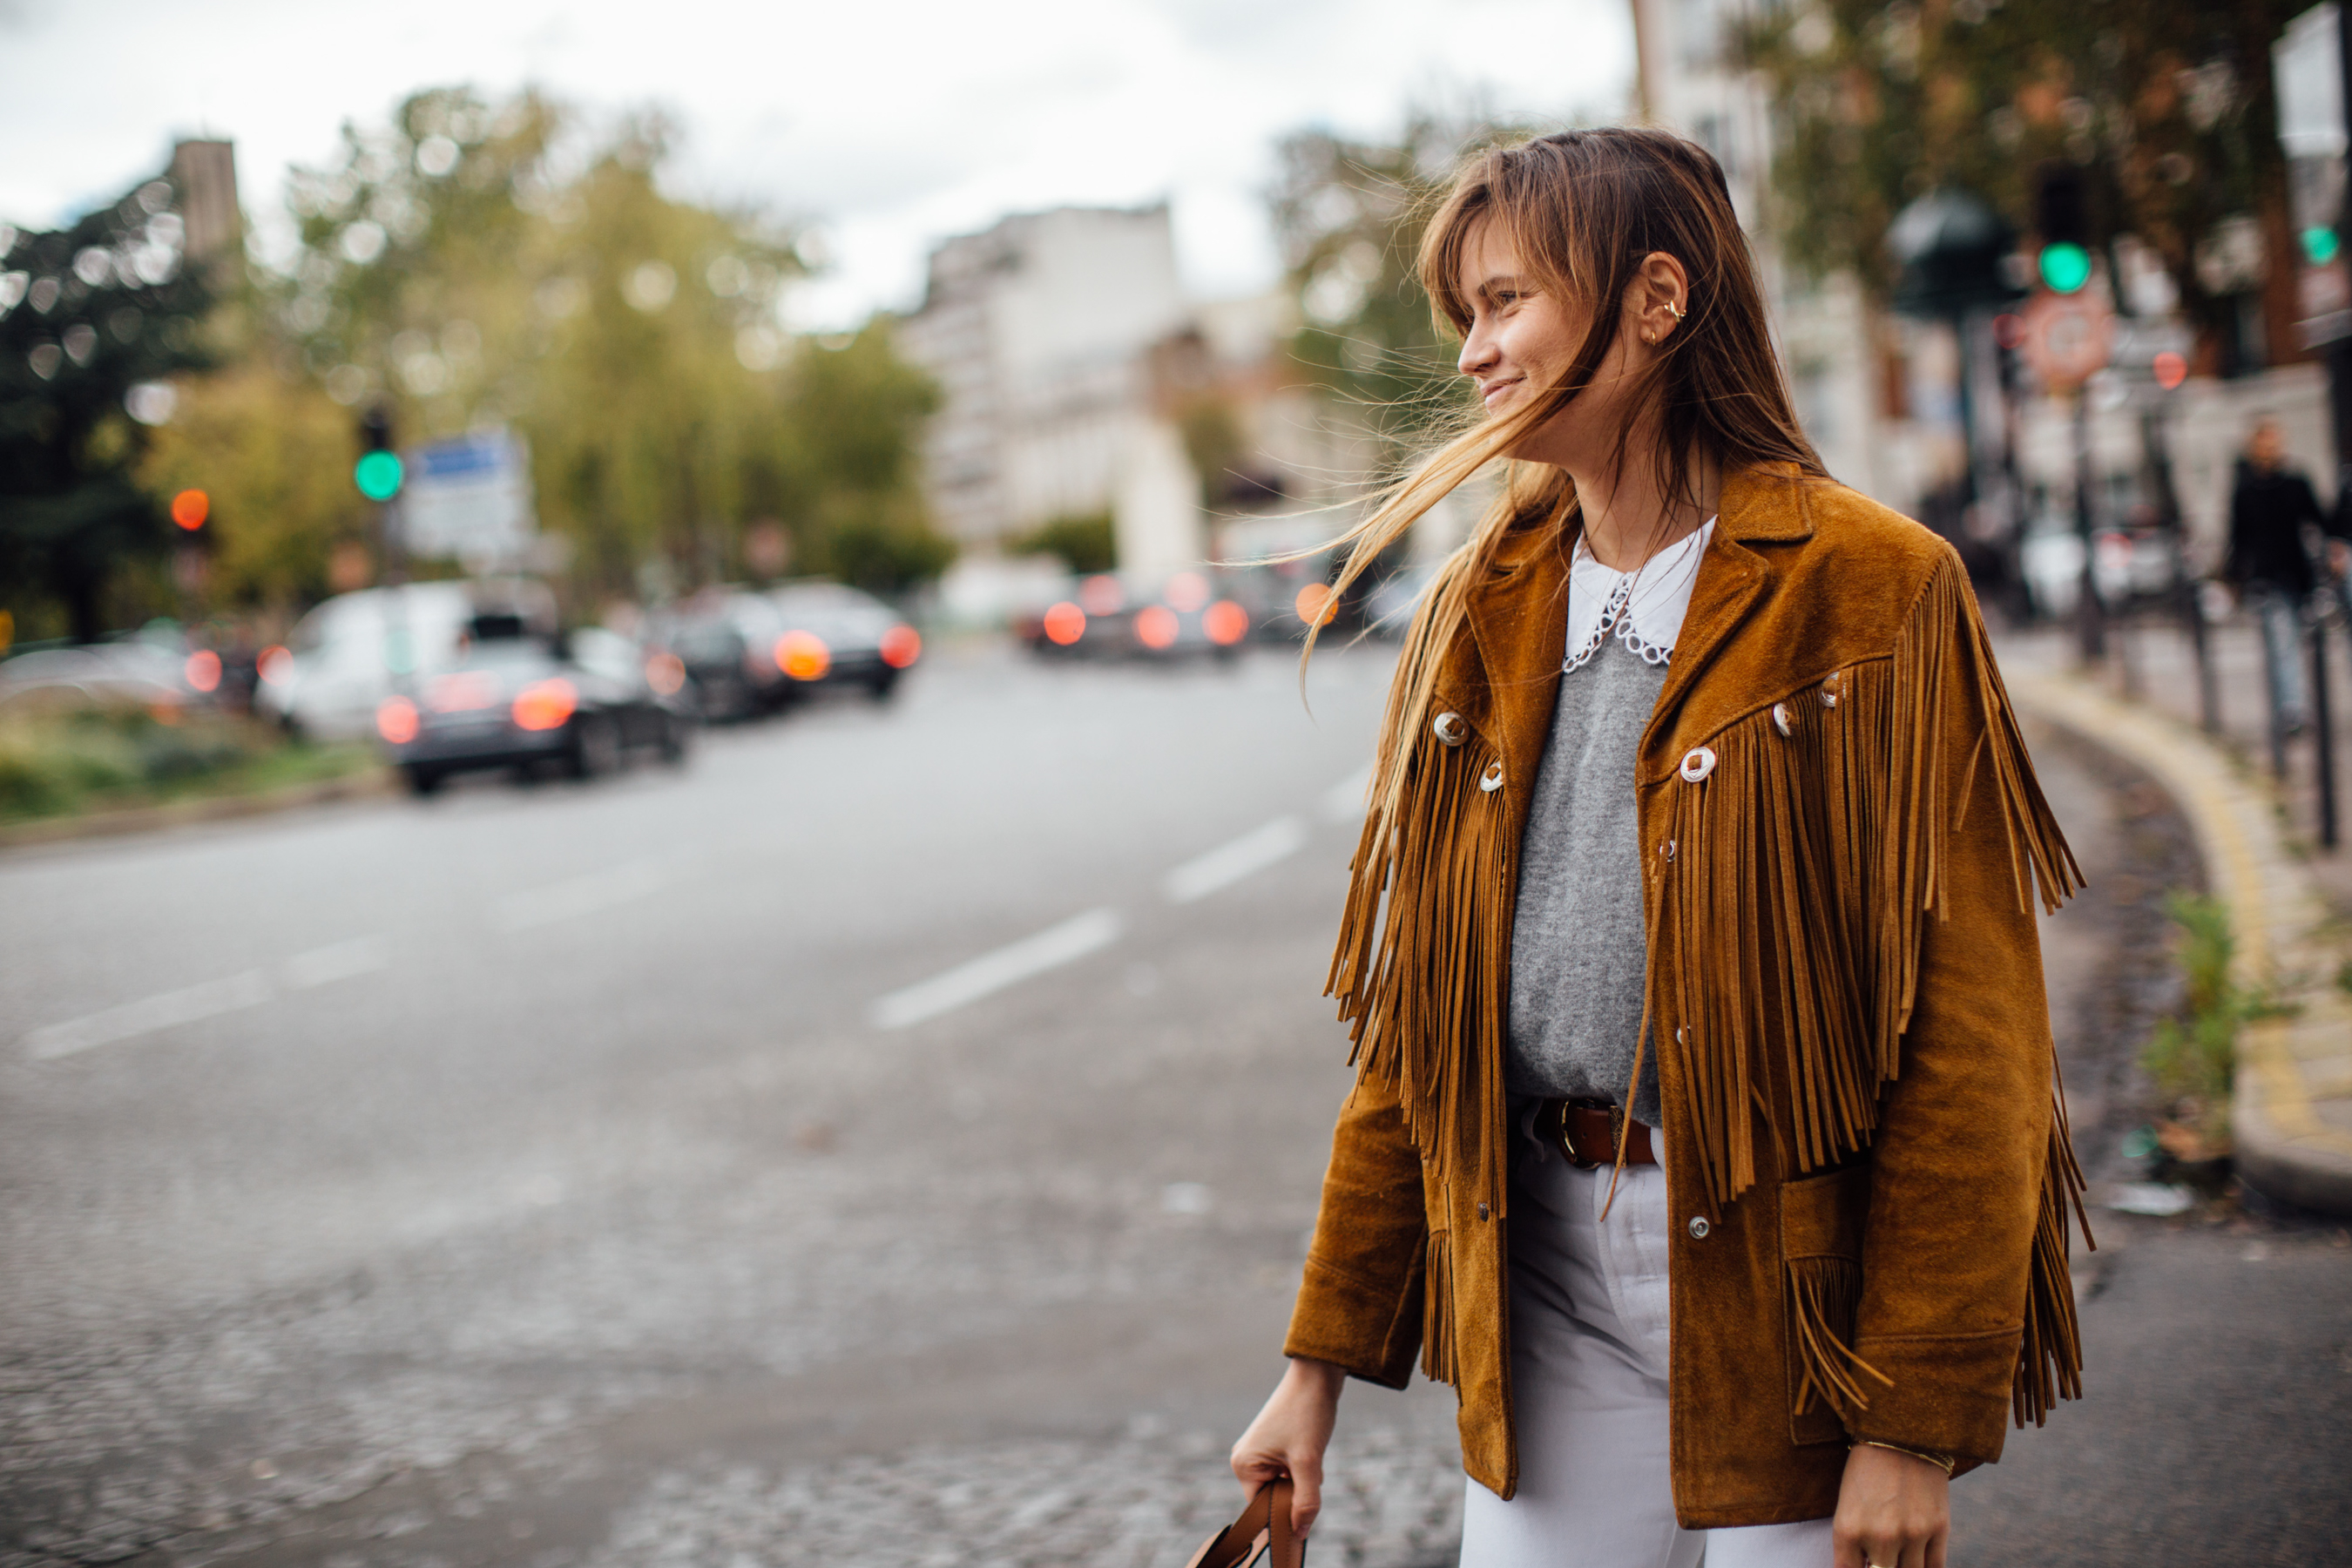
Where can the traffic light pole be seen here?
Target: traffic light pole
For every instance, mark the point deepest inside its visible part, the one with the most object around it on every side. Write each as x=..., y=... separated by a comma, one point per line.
x=2090, y=615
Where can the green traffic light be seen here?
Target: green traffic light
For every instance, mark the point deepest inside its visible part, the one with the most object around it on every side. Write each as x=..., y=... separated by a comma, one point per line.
x=2320, y=245
x=378, y=475
x=2065, y=267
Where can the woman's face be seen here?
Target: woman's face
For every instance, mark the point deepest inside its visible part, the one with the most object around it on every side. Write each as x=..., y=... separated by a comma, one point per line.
x=1523, y=338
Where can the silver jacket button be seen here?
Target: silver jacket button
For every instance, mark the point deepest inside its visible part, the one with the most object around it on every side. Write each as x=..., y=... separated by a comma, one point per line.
x=1829, y=692
x=1450, y=729
x=1700, y=1227
x=1492, y=779
x=1697, y=763
x=1784, y=720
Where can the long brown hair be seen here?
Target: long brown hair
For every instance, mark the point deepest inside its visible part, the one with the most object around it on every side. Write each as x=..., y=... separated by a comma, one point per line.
x=1582, y=208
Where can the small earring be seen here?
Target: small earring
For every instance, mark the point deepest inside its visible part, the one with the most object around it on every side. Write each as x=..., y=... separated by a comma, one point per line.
x=1649, y=337
x=1673, y=311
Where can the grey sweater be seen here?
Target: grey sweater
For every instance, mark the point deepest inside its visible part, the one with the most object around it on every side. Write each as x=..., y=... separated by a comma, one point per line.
x=1579, y=953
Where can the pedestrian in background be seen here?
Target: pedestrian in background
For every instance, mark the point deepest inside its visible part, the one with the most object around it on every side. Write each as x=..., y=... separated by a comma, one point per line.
x=2270, y=503
x=1703, y=1136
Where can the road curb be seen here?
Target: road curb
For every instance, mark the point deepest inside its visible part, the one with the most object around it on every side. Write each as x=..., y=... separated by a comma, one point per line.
x=2291, y=1115
x=362, y=786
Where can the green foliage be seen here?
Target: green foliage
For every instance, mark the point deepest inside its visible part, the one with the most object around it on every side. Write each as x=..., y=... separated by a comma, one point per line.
x=2193, y=1057
x=1086, y=543
x=477, y=264
x=57, y=763
x=86, y=313
x=2167, y=105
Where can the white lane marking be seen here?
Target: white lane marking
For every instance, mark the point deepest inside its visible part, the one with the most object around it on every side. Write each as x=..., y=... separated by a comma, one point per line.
x=1228, y=863
x=587, y=895
x=150, y=1014
x=992, y=971
x=1344, y=801
x=337, y=960
x=169, y=1009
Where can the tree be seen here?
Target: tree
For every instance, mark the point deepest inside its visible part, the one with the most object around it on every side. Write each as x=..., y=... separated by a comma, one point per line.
x=510, y=265
x=92, y=319
x=2166, y=105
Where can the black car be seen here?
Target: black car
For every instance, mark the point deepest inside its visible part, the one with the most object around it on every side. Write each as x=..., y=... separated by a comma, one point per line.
x=830, y=635
x=517, y=700
x=727, y=639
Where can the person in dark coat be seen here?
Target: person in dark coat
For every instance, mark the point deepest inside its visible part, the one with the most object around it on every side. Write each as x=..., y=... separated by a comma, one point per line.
x=2267, y=560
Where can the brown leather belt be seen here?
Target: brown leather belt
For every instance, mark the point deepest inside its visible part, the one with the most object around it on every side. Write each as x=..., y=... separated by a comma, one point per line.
x=1587, y=1131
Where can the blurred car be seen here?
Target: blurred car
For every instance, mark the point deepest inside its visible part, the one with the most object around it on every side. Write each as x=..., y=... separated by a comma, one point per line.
x=835, y=636
x=1184, y=616
x=352, y=651
x=510, y=698
x=749, y=653
x=151, y=671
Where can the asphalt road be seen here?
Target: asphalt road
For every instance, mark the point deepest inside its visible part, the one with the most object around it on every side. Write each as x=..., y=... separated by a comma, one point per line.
x=890, y=1140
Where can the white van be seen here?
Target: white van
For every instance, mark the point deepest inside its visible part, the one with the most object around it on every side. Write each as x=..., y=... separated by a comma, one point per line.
x=349, y=652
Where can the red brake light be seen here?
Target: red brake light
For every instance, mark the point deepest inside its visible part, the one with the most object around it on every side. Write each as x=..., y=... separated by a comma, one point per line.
x=203, y=670
x=666, y=673
x=1187, y=591
x=1156, y=628
x=901, y=646
x=1066, y=623
x=803, y=656
x=1225, y=622
x=275, y=664
x=1316, y=604
x=545, y=704
x=395, y=720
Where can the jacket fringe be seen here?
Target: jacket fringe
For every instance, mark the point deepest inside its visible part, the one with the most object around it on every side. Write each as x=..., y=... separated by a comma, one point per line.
x=1807, y=864
x=2049, y=1359
x=1826, y=1294
x=1422, y=964
x=1437, y=1355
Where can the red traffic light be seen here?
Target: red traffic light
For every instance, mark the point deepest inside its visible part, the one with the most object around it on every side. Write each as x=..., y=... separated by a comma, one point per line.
x=190, y=508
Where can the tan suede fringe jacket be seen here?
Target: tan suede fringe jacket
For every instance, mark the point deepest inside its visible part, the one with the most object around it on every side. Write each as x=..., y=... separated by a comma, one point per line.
x=1866, y=1160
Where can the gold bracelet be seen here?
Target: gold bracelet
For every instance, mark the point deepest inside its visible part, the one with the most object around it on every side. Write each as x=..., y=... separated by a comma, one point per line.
x=1942, y=1462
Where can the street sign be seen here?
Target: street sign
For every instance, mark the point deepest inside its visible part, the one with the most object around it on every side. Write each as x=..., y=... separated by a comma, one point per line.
x=470, y=498
x=2068, y=337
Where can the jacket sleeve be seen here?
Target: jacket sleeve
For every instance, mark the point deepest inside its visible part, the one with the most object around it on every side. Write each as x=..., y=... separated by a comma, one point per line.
x=1959, y=1159
x=1360, y=1305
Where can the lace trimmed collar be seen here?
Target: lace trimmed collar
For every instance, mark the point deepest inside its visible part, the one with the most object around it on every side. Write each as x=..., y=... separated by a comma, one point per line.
x=1643, y=608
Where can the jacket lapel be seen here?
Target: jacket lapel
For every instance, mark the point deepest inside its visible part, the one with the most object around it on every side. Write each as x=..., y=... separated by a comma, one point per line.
x=1760, y=504
x=1518, y=622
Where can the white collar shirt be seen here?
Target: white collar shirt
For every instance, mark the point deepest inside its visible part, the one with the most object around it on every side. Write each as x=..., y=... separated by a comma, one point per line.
x=1643, y=608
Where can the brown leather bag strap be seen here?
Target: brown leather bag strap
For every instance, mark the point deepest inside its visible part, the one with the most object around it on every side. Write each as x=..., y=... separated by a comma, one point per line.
x=1263, y=1530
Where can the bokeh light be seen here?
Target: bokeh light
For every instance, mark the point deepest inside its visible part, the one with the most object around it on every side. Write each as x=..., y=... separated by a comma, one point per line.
x=275, y=664
x=803, y=656
x=378, y=475
x=2171, y=369
x=545, y=705
x=1155, y=627
x=395, y=720
x=190, y=508
x=1225, y=622
x=1102, y=595
x=1315, y=605
x=901, y=646
x=666, y=673
x=1064, y=623
x=203, y=670
x=1187, y=591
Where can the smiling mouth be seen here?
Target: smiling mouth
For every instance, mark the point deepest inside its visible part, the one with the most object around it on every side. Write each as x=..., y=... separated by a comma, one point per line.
x=1487, y=394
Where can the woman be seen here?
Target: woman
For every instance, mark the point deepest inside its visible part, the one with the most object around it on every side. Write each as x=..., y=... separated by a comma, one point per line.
x=1690, y=954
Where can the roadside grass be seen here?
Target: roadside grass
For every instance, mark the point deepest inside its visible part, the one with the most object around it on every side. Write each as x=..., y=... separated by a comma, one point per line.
x=2193, y=1056
x=68, y=761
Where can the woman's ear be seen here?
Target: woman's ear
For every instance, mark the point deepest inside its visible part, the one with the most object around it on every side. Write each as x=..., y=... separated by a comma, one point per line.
x=1660, y=297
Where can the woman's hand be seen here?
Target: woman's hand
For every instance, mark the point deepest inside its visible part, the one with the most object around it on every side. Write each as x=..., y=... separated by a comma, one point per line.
x=1288, y=1437
x=1893, y=1511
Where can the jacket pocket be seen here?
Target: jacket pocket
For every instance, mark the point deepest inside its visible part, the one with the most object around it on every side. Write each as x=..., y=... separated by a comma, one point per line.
x=1821, y=1263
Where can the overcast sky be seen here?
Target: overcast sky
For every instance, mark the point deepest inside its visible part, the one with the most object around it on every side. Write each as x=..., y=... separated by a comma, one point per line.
x=891, y=125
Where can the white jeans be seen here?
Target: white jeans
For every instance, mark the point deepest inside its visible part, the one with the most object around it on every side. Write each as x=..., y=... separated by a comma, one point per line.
x=1588, y=1318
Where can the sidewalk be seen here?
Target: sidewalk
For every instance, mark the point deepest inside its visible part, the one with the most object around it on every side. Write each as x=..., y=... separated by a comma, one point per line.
x=2292, y=1111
